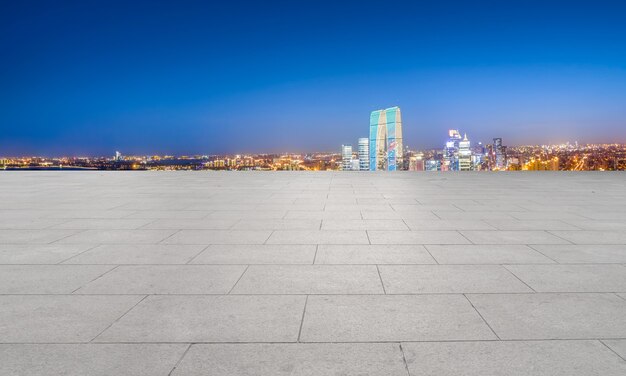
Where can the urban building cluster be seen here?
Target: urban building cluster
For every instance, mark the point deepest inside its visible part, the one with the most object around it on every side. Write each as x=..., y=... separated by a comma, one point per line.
x=382, y=150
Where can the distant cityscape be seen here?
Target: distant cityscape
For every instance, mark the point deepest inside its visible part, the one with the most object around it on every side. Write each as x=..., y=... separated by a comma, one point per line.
x=383, y=150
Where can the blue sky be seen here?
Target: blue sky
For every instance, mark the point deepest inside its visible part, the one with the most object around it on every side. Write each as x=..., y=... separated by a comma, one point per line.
x=91, y=77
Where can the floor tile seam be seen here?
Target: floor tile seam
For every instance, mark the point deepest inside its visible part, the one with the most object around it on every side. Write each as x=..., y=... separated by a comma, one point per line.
x=425, y=246
x=98, y=277
x=152, y=220
x=119, y=318
x=58, y=240
x=62, y=262
x=304, y=343
x=551, y=232
x=406, y=364
x=611, y=349
x=481, y=316
x=192, y=258
x=51, y=227
x=236, y=282
x=541, y=253
x=306, y=300
x=465, y=237
x=317, y=246
x=382, y=284
x=162, y=241
x=179, y=360
x=269, y=236
x=518, y=278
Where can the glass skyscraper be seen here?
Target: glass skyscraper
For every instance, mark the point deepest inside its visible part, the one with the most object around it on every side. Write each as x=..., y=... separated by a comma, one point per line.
x=385, y=142
x=364, y=162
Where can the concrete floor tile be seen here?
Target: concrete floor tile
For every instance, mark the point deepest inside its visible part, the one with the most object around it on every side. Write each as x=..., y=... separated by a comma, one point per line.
x=553, y=316
x=137, y=254
x=59, y=318
x=39, y=253
x=278, y=224
x=34, y=236
x=90, y=359
x=373, y=254
x=416, y=237
x=310, y=279
x=420, y=279
x=528, y=224
x=373, y=359
x=103, y=224
x=593, y=237
x=218, y=237
x=447, y=224
x=518, y=358
x=572, y=278
x=210, y=319
x=486, y=254
x=47, y=279
x=582, y=254
x=256, y=254
x=318, y=237
x=371, y=318
x=166, y=279
x=512, y=237
x=117, y=236
x=364, y=224
x=191, y=224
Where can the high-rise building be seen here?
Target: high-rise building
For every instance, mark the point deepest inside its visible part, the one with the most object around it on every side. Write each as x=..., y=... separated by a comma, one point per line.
x=465, y=155
x=499, y=154
x=346, y=157
x=451, y=151
x=364, y=162
x=385, y=141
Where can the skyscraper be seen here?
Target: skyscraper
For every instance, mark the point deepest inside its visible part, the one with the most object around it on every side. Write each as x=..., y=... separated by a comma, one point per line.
x=465, y=155
x=451, y=151
x=364, y=163
x=385, y=142
x=499, y=151
x=346, y=157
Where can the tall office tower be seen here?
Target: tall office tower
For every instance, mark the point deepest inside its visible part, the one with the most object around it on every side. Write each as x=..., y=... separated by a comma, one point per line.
x=385, y=146
x=465, y=155
x=451, y=151
x=346, y=157
x=499, y=153
x=118, y=156
x=364, y=147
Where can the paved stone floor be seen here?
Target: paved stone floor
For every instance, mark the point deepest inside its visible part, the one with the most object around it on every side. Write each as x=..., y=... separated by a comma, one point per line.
x=259, y=273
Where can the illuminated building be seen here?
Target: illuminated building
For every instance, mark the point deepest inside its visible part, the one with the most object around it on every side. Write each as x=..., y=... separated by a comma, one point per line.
x=451, y=151
x=385, y=141
x=118, y=156
x=354, y=164
x=465, y=155
x=346, y=157
x=433, y=165
x=499, y=154
x=364, y=163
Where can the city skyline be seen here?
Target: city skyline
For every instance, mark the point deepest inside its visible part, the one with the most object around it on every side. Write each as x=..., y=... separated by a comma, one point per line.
x=89, y=78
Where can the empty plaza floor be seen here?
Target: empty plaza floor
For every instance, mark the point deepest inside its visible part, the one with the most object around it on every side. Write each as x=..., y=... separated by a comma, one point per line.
x=312, y=273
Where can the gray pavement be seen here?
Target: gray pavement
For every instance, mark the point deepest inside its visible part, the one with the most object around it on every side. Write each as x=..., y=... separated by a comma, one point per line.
x=302, y=273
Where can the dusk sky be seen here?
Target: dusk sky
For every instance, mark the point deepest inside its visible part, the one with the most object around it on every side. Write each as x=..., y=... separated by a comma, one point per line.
x=91, y=77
